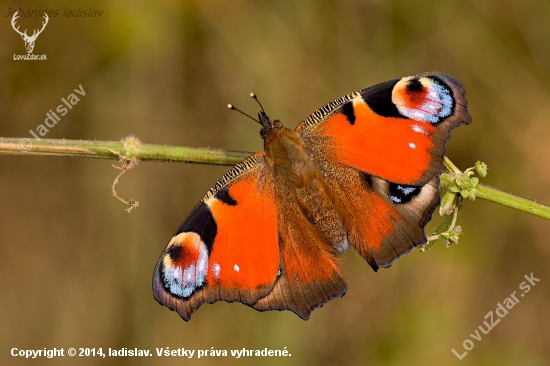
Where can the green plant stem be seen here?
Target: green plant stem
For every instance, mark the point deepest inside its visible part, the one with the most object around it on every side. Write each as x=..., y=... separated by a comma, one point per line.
x=450, y=165
x=147, y=152
x=511, y=200
x=114, y=149
x=496, y=195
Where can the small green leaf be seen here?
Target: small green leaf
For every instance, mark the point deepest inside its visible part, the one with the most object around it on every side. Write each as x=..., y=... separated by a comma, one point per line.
x=447, y=203
x=481, y=169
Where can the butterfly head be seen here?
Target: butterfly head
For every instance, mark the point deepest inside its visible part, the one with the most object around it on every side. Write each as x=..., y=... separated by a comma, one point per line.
x=268, y=124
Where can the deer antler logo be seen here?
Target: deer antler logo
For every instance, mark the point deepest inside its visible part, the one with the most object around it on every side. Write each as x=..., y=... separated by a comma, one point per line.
x=29, y=41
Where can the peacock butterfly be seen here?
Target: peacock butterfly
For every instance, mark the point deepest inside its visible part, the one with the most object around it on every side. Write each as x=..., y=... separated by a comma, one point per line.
x=362, y=171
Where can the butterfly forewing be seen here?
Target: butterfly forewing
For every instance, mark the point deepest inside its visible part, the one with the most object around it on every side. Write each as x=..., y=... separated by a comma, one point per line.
x=395, y=130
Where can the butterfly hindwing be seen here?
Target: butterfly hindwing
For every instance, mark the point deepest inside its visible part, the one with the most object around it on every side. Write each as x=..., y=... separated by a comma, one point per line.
x=227, y=248
x=415, y=206
x=302, y=297
x=310, y=273
x=383, y=220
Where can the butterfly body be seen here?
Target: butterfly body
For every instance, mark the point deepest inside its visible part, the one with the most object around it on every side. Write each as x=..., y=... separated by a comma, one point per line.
x=361, y=172
x=297, y=179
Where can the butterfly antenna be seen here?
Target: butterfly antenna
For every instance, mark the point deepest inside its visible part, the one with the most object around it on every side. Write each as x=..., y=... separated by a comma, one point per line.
x=232, y=107
x=252, y=95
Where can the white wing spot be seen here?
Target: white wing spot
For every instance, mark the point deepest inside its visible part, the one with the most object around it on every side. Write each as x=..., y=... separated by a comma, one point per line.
x=216, y=269
x=236, y=268
x=419, y=129
x=412, y=146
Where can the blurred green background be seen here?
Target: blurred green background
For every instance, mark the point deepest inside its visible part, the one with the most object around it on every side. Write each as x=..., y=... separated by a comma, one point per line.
x=75, y=268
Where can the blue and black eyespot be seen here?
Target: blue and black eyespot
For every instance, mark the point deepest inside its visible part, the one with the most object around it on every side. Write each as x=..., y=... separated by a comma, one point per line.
x=400, y=193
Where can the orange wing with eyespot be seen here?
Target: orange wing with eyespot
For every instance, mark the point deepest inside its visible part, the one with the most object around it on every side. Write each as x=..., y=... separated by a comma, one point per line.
x=395, y=130
x=241, y=243
x=381, y=150
x=227, y=248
